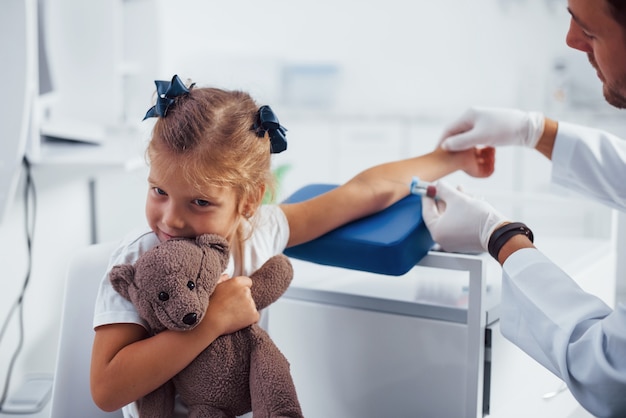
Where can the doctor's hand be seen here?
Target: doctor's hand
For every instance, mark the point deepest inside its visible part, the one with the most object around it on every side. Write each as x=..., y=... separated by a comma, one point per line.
x=493, y=127
x=459, y=222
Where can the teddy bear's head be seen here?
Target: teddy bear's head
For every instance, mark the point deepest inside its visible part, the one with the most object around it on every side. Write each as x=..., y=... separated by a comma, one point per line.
x=171, y=283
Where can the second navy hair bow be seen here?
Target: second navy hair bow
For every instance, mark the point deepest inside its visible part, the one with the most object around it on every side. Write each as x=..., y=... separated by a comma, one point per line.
x=268, y=122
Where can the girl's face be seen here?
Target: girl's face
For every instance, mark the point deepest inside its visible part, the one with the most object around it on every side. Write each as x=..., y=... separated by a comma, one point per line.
x=175, y=208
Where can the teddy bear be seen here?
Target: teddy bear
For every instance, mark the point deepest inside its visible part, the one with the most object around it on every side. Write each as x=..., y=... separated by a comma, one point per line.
x=244, y=371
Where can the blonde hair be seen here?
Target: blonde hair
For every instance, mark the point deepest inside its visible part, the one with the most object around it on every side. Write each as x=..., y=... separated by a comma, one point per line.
x=209, y=133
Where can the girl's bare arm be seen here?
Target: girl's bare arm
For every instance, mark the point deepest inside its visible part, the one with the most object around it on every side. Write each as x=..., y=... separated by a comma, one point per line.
x=377, y=188
x=127, y=364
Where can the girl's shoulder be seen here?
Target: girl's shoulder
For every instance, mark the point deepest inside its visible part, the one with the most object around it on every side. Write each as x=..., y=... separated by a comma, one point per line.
x=133, y=245
x=269, y=237
x=271, y=223
x=271, y=214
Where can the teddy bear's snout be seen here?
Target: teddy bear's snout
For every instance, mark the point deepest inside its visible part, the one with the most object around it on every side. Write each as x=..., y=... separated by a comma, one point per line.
x=190, y=318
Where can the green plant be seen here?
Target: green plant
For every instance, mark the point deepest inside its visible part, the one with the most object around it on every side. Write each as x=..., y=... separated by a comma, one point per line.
x=279, y=174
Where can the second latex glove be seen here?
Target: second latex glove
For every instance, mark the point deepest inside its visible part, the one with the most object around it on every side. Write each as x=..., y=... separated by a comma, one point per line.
x=493, y=127
x=459, y=222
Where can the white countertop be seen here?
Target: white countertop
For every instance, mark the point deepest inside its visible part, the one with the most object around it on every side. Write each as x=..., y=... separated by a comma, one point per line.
x=443, y=287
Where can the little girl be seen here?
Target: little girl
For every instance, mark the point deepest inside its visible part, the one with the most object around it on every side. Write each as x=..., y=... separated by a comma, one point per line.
x=209, y=159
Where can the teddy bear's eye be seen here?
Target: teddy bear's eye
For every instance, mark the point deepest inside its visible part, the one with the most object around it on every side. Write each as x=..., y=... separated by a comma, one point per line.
x=163, y=296
x=191, y=285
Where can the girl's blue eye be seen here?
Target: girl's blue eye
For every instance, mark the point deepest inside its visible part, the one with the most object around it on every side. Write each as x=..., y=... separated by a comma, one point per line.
x=202, y=203
x=159, y=191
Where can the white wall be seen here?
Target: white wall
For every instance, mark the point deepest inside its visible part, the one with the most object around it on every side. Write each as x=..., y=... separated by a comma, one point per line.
x=402, y=70
x=394, y=56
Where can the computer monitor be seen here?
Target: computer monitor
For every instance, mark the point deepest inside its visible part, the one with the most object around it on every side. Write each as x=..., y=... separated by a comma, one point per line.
x=17, y=46
x=20, y=89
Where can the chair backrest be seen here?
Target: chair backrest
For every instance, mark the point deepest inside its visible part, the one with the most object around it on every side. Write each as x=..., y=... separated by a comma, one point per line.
x=71, y=396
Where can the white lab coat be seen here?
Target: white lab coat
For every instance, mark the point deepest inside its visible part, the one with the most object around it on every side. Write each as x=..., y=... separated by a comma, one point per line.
x=572, y=333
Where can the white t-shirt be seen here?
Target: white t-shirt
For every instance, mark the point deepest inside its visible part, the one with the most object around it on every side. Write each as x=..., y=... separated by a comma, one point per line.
x=269, y=237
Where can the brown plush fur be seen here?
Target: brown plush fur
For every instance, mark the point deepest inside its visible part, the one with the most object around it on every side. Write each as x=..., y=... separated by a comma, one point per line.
x=240, y=372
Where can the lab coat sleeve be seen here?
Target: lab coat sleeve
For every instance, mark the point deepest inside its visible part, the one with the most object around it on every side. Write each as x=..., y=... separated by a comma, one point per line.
x=570, y=332
x=590, y=162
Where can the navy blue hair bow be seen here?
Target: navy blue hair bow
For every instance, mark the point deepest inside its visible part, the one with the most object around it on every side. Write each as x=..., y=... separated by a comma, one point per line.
x=268, y=122
x=166, y=92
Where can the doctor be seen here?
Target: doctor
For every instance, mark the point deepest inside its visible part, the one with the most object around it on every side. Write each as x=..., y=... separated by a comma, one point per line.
x=572, y=333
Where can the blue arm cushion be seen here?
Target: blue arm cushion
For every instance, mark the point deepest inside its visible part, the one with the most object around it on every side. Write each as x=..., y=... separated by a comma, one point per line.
x=389, y=242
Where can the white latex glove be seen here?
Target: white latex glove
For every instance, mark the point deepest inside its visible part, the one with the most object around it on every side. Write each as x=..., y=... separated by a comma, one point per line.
x=459, y=222
x=493, y=127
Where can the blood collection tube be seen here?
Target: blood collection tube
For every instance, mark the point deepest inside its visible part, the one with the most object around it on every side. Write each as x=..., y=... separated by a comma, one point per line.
x=423, y=188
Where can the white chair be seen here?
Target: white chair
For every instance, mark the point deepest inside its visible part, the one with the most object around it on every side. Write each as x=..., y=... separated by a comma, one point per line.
x=71, y=397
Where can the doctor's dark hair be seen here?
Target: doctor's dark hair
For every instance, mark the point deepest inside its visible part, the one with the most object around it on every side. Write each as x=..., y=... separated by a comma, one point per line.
x=617, y=9
x=208, y=134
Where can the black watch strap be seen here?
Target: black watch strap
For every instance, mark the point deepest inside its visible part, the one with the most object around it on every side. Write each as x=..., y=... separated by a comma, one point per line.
x=501, y=235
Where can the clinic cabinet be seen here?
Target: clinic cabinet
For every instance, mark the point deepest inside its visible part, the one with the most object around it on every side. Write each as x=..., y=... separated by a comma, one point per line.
x=425, y=344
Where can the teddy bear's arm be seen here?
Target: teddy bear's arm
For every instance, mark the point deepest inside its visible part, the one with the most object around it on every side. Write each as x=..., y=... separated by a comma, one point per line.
x=271, y=280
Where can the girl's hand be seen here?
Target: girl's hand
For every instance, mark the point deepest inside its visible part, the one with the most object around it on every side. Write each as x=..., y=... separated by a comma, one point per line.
x=479, y=161
x=231, y=306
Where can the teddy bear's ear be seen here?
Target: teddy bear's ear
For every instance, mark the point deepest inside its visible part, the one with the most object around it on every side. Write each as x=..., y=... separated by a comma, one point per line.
x=121, y=277
x=215, y=243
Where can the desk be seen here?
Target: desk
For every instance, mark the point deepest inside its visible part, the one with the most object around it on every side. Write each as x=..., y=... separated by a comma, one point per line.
x=56, y=162
x=117, y=151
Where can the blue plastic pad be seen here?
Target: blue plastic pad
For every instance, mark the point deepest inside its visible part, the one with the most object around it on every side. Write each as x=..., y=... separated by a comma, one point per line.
x=389, y=242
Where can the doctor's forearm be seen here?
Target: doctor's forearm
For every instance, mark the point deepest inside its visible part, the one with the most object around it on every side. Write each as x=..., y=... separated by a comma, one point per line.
x=517, y=242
